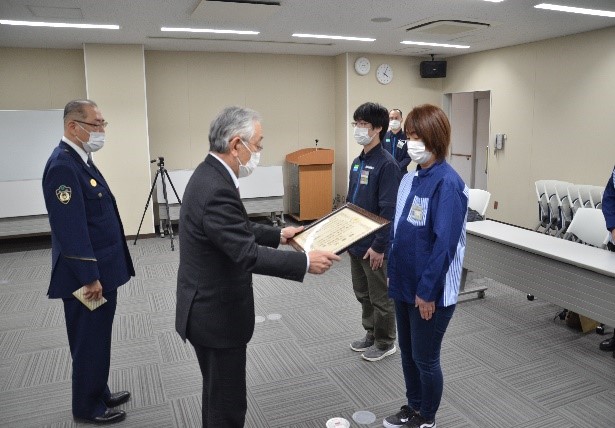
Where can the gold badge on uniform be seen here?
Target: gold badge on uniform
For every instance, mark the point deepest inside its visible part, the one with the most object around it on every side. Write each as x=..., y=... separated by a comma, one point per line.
x=63, y=193
x=93, y=182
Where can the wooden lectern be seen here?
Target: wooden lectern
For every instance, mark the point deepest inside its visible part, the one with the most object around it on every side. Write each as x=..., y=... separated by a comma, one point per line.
x=310, y=176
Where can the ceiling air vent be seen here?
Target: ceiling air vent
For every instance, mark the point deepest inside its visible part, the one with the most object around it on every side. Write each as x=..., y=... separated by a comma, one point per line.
x=448, y=27
x=250, y=13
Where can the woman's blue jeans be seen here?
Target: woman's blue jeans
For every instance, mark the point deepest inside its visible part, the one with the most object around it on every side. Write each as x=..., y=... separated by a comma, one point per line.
x=420, y=342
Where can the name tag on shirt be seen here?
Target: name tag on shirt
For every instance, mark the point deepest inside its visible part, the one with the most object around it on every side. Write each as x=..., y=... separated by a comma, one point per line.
x=416, y=212
x=355, y=167
x=364, y=177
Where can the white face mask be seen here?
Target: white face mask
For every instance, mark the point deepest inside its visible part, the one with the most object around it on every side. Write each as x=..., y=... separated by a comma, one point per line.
x=94, y=143
x=417, y=152
x=248, y=168
x=361, y=136
x=394, y=124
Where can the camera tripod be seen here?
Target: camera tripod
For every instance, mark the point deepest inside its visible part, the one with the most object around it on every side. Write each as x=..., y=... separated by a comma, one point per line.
x=162, y=172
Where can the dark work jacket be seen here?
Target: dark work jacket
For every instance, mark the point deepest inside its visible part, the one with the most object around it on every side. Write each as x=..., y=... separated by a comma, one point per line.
x=392, y=144
x=376, y=193
x=87, y=235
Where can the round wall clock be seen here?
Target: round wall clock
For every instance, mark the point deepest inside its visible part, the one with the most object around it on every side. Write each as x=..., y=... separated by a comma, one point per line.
x=362, y=66
x=384, y=73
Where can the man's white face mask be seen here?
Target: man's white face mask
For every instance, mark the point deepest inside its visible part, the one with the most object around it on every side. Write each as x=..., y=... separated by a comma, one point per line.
x=361, y=136
x=394, y=124
x=94, y=143
x=250, y=166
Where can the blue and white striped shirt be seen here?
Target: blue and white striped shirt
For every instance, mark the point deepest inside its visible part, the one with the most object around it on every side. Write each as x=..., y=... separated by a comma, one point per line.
x=428, y=237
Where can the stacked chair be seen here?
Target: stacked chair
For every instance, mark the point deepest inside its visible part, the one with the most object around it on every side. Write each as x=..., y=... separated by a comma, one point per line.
x=573, y=212
x=559, y=201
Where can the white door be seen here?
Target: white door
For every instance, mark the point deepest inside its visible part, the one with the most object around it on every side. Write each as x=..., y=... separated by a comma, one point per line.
x=461, y=117
x=481, y=142
x=469, y=114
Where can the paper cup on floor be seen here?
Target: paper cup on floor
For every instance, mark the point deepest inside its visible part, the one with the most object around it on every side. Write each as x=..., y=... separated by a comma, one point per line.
x=364, y=417
x=338, y=423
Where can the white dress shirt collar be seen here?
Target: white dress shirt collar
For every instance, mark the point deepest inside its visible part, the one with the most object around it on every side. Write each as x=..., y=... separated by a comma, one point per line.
x=78, y=149
x=228, y=168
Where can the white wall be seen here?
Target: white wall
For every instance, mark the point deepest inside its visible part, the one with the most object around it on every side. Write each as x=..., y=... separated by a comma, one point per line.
x=555, y=101
x=116, y=81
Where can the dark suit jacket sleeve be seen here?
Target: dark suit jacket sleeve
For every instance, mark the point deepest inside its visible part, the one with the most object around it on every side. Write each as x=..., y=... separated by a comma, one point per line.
x=268, y=236
x=225, y=223
x=69, y=222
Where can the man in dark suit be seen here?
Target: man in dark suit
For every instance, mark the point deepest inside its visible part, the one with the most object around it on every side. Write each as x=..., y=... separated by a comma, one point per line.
x=88, y=250
x=220, y=249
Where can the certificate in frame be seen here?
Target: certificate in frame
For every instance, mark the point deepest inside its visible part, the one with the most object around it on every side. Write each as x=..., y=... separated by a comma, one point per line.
x=338, y=230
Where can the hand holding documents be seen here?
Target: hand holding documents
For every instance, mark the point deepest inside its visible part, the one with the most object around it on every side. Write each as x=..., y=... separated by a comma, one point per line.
x=338, y=230
x=90, y=304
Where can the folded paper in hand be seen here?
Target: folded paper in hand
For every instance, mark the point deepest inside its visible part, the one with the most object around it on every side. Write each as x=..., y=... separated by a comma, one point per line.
x=90, y=304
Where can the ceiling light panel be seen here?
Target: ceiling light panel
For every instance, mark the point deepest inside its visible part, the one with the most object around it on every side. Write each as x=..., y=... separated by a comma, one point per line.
x=323, y=36
x=58, y=25
x=208, y=30
x=441, y=45
x=583, y=11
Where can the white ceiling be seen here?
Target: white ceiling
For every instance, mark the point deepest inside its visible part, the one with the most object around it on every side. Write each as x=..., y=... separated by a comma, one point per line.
x=510, y=22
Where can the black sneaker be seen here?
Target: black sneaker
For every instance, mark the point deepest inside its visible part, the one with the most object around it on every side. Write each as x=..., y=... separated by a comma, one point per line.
x=399, y=419
x=417, y=421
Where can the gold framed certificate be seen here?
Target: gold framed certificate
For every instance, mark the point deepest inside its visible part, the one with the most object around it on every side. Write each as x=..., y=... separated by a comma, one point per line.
x=338, y=230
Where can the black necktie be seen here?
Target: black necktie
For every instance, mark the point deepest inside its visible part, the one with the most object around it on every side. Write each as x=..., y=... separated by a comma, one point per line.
x=90, y=162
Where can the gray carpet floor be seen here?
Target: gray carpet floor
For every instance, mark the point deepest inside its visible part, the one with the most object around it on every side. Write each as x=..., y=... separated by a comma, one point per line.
x=506, y=362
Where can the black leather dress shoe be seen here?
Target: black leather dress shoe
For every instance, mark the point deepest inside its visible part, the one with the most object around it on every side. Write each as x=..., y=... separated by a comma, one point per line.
x=117, y=398
x=109, y=417
x=608, y=344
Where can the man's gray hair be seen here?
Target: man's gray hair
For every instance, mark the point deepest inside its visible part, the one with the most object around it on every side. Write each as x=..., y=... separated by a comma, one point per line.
x=76, y=109
x=231, y=122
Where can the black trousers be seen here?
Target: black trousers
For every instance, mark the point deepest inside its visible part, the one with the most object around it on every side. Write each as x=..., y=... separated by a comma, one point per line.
x=224, y=386
x=89, y=338
x=611, y=247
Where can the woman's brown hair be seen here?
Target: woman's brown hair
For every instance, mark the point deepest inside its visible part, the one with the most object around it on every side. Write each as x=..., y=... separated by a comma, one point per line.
x=431, y=125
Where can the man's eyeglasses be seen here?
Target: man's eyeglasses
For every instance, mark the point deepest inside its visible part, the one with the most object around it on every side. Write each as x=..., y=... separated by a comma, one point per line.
x=360, y=124
x=257, y=147
x=95, y=125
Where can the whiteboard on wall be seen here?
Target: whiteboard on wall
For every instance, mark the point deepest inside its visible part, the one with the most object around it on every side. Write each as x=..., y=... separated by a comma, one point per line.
x=179, y=178
x=27, y=138
x=264, y=182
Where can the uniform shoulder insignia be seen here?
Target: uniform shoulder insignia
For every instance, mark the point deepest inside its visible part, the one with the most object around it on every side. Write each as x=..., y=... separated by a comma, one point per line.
x=63, y=193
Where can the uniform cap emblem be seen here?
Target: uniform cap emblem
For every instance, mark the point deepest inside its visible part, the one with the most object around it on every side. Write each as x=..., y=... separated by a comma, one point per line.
x=64, y=193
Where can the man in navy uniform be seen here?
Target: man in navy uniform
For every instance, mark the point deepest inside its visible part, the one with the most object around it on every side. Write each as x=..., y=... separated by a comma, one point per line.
x=394, y=140
x=88, y=250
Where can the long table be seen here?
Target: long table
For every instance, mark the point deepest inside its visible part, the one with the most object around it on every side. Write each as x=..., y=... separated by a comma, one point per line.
x=571, y=275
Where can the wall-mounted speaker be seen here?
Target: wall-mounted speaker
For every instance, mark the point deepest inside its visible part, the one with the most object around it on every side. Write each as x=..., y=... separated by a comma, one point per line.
x=432, y=69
